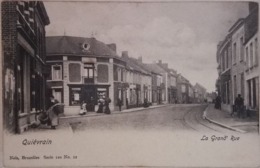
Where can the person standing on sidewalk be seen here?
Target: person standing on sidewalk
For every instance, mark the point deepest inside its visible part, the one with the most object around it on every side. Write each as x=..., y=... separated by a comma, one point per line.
x=107, y=109
x=119, y=103
x=239, y=105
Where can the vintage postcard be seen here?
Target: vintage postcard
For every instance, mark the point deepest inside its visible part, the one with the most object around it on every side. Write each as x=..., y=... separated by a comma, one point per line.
x=130, y=84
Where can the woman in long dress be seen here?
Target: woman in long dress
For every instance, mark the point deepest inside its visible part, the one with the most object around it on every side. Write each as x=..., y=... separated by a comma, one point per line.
x=100, y=105
x=53, y=113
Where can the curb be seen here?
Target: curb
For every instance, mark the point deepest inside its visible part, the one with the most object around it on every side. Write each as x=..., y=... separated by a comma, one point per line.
x=116, y=112
x=220, y=124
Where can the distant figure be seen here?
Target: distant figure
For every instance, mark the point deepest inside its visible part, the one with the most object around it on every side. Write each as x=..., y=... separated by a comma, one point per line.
x=107, y=109
x=119, y=103
x=218, y=102
x=146, y=103
x=239, y=106
x=101, y=102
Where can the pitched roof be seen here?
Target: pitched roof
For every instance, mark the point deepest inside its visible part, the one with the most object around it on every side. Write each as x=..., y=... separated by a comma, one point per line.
x=155, y=68
x=69, y=45
x=133, y=65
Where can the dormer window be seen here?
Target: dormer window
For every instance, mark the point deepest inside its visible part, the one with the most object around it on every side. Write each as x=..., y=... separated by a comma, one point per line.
x=85, y=46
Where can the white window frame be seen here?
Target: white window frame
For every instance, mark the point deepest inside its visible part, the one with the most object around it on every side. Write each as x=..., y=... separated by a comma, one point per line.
x=52, y=72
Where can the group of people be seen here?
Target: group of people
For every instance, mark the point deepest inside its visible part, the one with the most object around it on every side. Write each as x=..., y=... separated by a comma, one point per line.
x=238, y=107
x=103, y=106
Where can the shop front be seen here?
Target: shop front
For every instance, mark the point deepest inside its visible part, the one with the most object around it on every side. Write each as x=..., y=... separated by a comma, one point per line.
x=88, y=93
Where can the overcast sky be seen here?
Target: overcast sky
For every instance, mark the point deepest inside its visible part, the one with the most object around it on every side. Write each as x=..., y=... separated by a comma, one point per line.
x=182, y=34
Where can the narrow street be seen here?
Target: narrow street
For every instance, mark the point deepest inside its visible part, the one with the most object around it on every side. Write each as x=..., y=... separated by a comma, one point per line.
x=172, y=117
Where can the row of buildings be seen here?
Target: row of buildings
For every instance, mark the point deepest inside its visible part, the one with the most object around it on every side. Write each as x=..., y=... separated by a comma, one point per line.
x=238, y=63
x=74, y=69
x=85, y=69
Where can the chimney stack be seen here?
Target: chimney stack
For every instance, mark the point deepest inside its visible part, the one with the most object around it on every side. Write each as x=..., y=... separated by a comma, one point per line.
x=160, y=62
x=124, y=54
x=112, y=46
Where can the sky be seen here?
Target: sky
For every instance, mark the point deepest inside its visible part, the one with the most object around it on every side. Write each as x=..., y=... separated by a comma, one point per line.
x=183, y=34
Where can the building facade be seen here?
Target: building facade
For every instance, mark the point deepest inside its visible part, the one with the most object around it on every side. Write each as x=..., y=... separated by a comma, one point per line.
x=225, y=86
x=252, y=70
x=23, y=44
x=237, y=33
x=84, y=69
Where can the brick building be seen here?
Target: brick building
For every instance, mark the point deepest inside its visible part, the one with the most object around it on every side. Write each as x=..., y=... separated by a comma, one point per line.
x=23, y=50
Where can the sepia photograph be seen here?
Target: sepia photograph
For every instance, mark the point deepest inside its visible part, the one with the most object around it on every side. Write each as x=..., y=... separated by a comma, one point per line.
x=130, y=83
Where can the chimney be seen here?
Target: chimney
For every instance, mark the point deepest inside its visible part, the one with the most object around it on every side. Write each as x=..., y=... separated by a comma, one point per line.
x=140, y=59
x=112, y=46
x=165, y=65
x=160, y=62
x=124, y=54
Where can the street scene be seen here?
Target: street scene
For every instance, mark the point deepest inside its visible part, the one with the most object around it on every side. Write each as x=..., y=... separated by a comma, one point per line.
x=58, y=73
x=130, y=83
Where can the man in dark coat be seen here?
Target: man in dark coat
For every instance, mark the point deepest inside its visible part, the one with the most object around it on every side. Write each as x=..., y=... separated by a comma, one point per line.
x=119, y=103
x=239, y=105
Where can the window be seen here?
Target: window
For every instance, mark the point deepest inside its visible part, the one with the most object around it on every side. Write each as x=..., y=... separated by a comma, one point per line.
x=242, y=85
x=56, y=72
x=115, y=73
x=256, y=52
x=234, y=52
x=235, y=86
x=74, y=72
x=57, y=93
x=241, y=49
x=251, y=55
x=102, y=73
x=88, y=73
x=75, y=96
x=247, y=58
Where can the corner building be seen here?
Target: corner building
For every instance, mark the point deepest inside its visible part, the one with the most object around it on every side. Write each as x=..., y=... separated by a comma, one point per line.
x=84, y=69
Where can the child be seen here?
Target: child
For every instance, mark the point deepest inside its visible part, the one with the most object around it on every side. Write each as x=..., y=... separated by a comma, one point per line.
x=83, y=109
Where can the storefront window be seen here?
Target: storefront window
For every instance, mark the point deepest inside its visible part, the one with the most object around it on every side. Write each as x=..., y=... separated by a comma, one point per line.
x=75, y=96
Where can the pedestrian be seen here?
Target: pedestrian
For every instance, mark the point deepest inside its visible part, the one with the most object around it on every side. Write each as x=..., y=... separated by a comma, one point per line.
x=218, y=102
x=119, y=103
x=107, y=109
x=83, y=109
x=101, y=102
x=146, y=103
x=239, y=106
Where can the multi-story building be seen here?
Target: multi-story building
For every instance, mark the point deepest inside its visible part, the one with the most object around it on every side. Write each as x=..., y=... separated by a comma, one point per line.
x=224, y=57
x=157, y=82
x=84, y=69
x=183, y=89
x=171, y=82
x=200, y=93
x=252, y=71
x=141, y=85
x=237, y=34
x=23, y=44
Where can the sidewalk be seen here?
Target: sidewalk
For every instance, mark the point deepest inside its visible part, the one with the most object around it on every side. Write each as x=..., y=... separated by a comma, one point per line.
x=91, y=114
x=224, y=119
